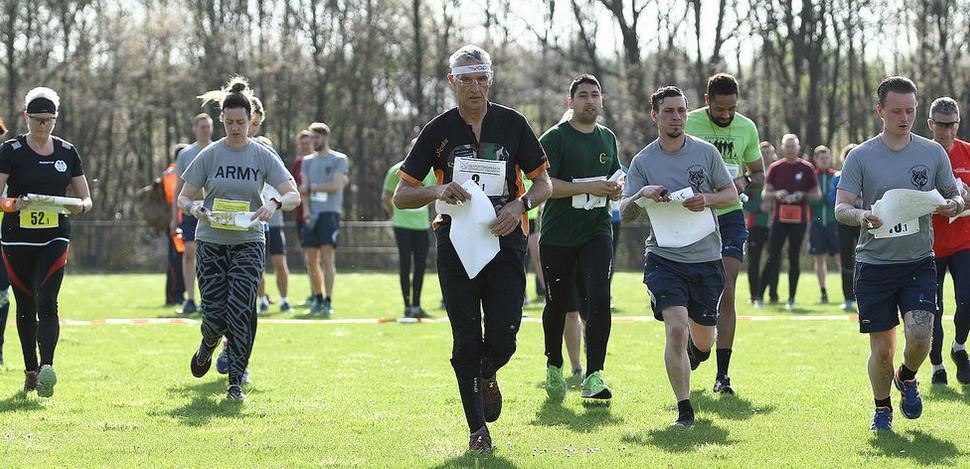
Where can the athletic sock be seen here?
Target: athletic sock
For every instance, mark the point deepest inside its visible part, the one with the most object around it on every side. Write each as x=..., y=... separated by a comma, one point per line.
x=958, y=347
x=938, y=367
x=283, y=299
x=905, y=374
x=264, y=299
x=318, y=297
x=723, y=362
x=825, y=293
x=326, y=298
x=684, y=410
x=887, y=402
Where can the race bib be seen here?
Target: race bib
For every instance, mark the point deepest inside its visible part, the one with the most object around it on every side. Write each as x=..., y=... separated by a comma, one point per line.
x=588, y=201
x=790, y=213
x=37, y=219
x=318, y=197
x=488, y=174
x=734, y=170
x=226, y=205
x=899, y=230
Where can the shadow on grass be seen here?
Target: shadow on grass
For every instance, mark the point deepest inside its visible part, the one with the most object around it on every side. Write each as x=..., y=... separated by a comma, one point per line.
x=208, y=402
x=946, y=393
x=594, y=415
x=682, y=440
x=475, y=460
x=917, y=447
x=19, y=402
x=727, y=406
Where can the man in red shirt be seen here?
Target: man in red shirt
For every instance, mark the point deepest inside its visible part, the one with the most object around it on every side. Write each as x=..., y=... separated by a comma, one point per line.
x=791, y=183
x=951, y=246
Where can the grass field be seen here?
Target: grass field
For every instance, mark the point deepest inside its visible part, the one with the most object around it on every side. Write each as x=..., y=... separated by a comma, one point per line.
x=383, y=395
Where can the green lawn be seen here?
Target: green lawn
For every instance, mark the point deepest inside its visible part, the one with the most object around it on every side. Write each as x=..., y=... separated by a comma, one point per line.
x=384, y=395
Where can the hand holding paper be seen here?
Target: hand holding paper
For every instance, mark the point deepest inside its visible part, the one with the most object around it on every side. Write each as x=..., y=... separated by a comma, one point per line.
x=900, y=206
x=40, y=202
x=470, y=235
x=673, y=224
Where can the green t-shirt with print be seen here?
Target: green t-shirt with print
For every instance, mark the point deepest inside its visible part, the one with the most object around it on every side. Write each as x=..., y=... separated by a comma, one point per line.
x=738, y=143
x=408, y=218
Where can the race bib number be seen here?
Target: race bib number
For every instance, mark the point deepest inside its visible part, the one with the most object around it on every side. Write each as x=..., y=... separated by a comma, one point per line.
x=37, y=219
x=790, y=213
x=488, y=174
x=588, y=201
x=226, y=205
x=898, y=230
x=734, y=170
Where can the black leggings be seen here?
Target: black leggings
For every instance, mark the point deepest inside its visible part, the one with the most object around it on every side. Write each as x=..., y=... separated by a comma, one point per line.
x=560, y=264
x=5, y=309
x=757, y=241
x=228, y=278
x=411, y=243
x=959, y=266
x=848, y=237
x=36, y=273
x=777, y=234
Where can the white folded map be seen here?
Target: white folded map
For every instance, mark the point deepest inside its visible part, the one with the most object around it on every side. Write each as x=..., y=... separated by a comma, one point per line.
x=676, y=226
x=904, y=207
x=50, y=203
x=474, y=242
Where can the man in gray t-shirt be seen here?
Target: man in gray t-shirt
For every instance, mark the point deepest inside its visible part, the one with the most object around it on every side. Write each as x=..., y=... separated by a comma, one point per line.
x=202, y=129
x=895, y=273
x=323, y=176
x=684, y=283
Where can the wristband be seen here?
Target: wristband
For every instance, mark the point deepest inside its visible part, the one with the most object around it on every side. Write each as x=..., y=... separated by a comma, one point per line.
x=279, y=204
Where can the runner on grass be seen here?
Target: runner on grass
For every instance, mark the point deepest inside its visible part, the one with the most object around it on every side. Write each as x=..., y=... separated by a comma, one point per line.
x=202, y=129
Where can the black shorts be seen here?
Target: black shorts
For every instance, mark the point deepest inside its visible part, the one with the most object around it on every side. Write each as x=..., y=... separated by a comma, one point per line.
x=275, y=241
x=734, y=233
x=696, y=286
x=188, y=225
x=323, y=232
x=823, y=239
x=884, y=291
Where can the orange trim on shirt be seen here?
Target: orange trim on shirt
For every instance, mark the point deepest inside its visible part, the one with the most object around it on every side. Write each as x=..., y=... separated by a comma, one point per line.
x=535, y=172
x=407, y=177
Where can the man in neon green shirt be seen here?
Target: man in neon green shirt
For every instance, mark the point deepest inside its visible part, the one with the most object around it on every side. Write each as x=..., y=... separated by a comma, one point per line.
x=411, y=235
x=736, y=137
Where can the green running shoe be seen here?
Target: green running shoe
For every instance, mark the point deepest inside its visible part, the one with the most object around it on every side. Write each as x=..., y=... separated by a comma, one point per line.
x=595, y=388
x=555, y=384
x=46, y=380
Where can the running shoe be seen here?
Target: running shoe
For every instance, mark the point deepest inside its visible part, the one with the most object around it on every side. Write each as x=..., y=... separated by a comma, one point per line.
x=308, y=302
x=316, y=307
x=188, y=308
x=939, y=377
x=825, y=299
x=962, y=361
x=555, y=384
x=30, y=381
x=327, y=309
x=420, y=313
x=683, y=421
x=790, y=306
x=578, y=373
x=235, y=393
x=882, y=419
x=758, y=304
x=723, y=385
x=202, y=359
x=222, y=361
x=910, y=402
x=245, y=377
x=491, y=399
x=284, y=307
x=480, y=441
x=595, y=388
x=847, y=305
x=263, y=306
x=46, y=380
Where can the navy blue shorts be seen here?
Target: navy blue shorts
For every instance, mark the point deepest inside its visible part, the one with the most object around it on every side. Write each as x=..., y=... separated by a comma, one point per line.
x=188, y=225
x=275, y=241
x=734, y=233
x=696, y=286
x=823, y=239
x=323, y=231
x=884, y=291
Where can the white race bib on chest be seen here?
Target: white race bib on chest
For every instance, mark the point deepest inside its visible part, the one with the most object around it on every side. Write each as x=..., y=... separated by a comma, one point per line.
x=488, y=174
x=734, y=169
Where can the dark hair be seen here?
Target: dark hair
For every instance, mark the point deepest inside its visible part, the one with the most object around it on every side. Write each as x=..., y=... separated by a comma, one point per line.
x=579, y=80
x=236, y=93
x=664, y=92
x=320, y=128
x=895, y=84
x=177, y=148
x=3, y=128
x=722, y=84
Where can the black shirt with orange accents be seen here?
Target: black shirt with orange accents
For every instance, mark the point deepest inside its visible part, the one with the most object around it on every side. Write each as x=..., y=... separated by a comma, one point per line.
x=32, y=173
x=506, y=136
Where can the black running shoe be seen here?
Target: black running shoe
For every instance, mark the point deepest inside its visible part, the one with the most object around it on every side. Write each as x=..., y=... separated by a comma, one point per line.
x=202, y=359
x=684, y=421
x=480, y=441
x=188, y=308
x=491, y=399
x=962, y=361
x=723, y=385
x=235, y=393
x=939, y=377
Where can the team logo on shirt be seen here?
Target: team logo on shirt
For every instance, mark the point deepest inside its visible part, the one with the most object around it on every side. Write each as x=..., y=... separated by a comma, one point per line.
x=725, y=146
x=603, y=158
x=919, y=176
x=798, y=176
x=60, y=166
x=695, y=174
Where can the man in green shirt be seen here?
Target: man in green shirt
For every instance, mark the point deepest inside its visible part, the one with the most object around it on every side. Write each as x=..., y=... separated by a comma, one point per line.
x=577, y=235
x=823, y=235
x=736, y=137
x=411, y=227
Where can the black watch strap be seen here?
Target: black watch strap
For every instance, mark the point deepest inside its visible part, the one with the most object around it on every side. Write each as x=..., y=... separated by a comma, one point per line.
x=527, y=202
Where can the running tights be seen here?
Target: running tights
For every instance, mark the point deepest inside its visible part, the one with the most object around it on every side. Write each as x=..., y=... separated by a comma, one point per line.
x=411, y=244
x=36, y=273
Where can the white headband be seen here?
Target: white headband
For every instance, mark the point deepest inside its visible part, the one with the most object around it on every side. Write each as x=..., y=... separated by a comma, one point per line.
x=466, y=69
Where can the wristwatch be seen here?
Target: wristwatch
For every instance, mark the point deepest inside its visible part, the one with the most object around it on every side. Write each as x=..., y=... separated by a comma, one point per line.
x=527, y=202
x=279, y=204
x=747, y=180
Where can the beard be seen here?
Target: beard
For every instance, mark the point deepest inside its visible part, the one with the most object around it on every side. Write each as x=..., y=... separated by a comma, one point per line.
x=674, y=133
x=584, y=118
x=718, y=122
